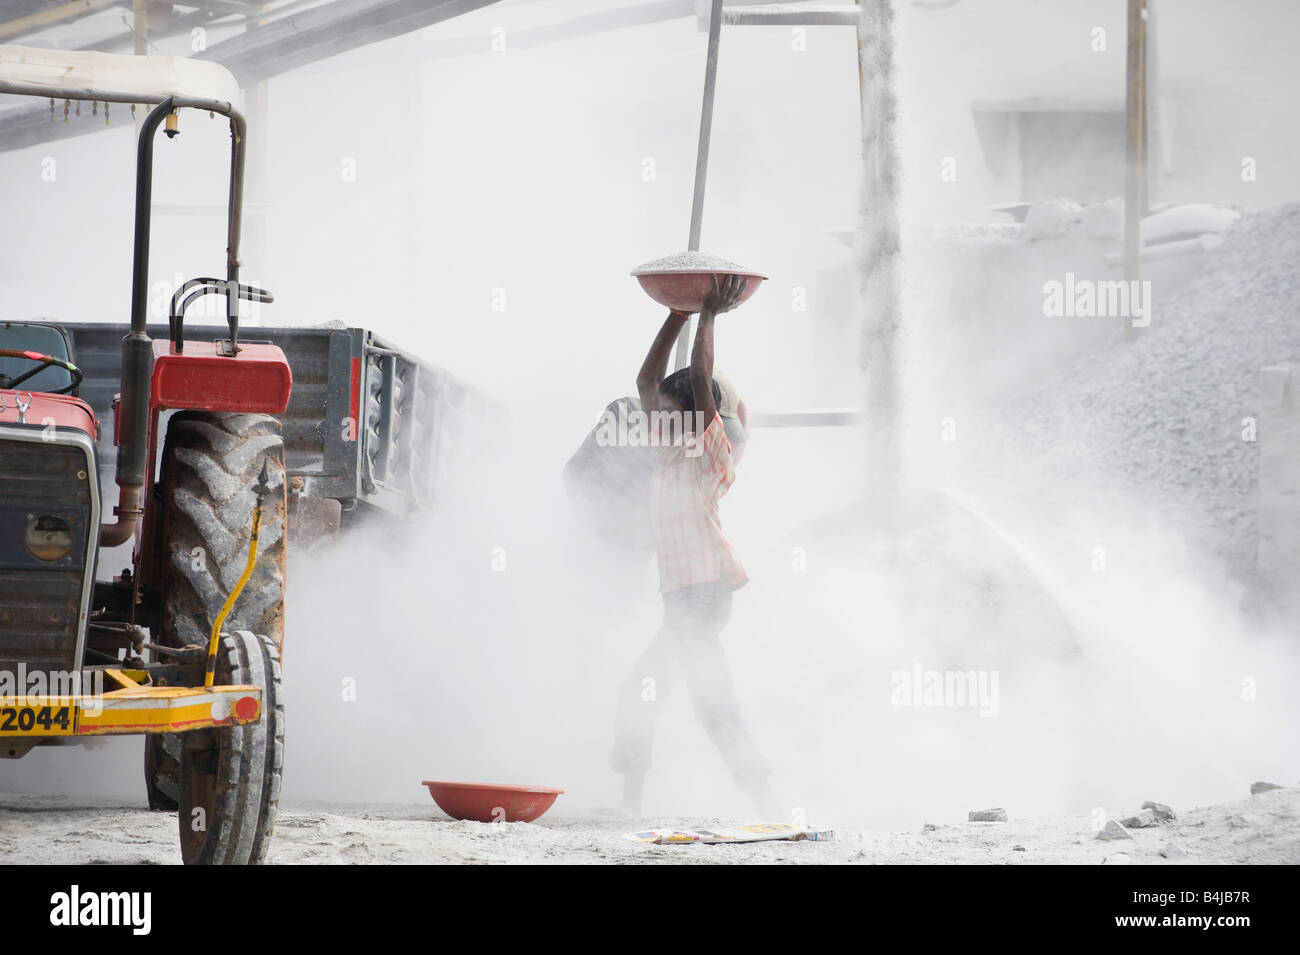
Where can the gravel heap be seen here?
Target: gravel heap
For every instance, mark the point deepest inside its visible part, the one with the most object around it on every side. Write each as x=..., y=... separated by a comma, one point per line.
x=1165, y=409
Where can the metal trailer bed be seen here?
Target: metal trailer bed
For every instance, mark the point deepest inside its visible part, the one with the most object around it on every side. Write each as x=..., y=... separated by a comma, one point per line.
x=366, y=425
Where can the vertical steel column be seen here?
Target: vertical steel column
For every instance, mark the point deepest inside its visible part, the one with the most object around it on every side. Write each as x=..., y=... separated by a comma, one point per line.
x=701, y=164
x=140, y=35
x=878, y=252
x=140, y=26
x=257, y=121
x=1135, y=138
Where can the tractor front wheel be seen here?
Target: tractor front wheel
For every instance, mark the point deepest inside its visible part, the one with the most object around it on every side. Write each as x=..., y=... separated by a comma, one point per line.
x=230, y=792
x=210, y=462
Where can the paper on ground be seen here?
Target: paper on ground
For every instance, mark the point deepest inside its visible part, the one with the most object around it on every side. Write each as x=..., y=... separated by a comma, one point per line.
x=758, y=832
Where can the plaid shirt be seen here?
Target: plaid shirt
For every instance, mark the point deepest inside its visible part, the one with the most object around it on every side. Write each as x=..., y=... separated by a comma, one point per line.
x=684, y=492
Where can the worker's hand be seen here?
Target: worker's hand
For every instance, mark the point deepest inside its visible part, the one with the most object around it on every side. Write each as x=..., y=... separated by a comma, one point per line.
x=725, y=295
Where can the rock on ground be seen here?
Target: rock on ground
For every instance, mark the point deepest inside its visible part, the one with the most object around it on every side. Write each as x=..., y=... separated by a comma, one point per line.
x=1162, y=812
x=1143, y=820
x=1113, y=830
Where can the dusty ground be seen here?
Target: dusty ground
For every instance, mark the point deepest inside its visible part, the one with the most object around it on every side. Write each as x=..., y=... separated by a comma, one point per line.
x=39, y=829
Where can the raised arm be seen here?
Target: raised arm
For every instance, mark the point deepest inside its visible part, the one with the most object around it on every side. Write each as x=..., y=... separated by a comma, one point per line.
x=655, y=367
x=723, y=298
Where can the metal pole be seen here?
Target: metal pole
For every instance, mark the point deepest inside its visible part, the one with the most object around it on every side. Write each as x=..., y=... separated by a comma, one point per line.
x=140, y=26
x=701, y=164
x=1144, y=116
x=140, y=34
x=1153, y=152
x=878, y=252
x=1135, y=170
x=258, y=125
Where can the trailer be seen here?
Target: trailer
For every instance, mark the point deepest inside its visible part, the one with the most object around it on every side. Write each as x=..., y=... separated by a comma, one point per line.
x=368, y=431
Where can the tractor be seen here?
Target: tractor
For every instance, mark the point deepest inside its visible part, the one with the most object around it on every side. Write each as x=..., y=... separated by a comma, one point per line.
x=183, y=647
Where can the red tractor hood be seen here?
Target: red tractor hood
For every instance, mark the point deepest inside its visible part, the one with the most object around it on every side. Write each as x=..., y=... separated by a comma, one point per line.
x=62, y=411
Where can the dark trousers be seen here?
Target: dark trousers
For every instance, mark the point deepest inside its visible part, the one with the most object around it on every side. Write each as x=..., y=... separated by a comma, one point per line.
x=687, y=649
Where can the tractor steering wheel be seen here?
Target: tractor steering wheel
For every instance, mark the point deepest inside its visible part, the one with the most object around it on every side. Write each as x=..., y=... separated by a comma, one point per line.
x=43, y=361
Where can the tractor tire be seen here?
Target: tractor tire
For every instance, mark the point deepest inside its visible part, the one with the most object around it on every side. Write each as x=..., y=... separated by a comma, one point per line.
x=162, y=771
x=230, y=793
x=211, y=461
x=210, y=464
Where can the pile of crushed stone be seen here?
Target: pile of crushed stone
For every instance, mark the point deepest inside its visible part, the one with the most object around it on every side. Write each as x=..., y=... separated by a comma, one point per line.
x=688, y=262
x=1165, y=409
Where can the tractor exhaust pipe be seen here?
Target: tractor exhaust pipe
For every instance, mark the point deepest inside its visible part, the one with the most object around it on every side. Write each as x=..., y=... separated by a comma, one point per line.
x=129, y=509
x=137, y=352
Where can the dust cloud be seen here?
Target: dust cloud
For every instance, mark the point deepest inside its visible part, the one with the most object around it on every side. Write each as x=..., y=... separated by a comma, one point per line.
x=485, y=640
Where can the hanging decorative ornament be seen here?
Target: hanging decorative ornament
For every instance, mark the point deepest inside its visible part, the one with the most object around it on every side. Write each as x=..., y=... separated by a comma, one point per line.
x=51, y=109
x=94, y=108
x=133, y=110
x=78, y=110
x=67, y=105
x=105, y=113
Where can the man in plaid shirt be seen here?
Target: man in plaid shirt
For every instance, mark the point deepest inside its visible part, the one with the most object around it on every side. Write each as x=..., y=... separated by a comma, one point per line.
x=698, y=570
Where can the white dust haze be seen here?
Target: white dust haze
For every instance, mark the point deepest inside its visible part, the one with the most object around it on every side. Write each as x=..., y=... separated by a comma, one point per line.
x=482, y=641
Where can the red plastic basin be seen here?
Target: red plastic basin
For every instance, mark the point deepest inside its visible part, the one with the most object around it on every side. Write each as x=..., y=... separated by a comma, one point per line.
x=487, y=802
x=685, y=291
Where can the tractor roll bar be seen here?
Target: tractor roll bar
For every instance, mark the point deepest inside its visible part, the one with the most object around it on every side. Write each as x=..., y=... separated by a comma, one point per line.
x=137, y=347
x=171, y=83
x=144, y=197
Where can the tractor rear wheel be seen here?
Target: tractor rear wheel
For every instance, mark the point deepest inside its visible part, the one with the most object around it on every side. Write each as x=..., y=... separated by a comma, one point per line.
x=162, y=770
x=230, y=792
x=210, y=462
